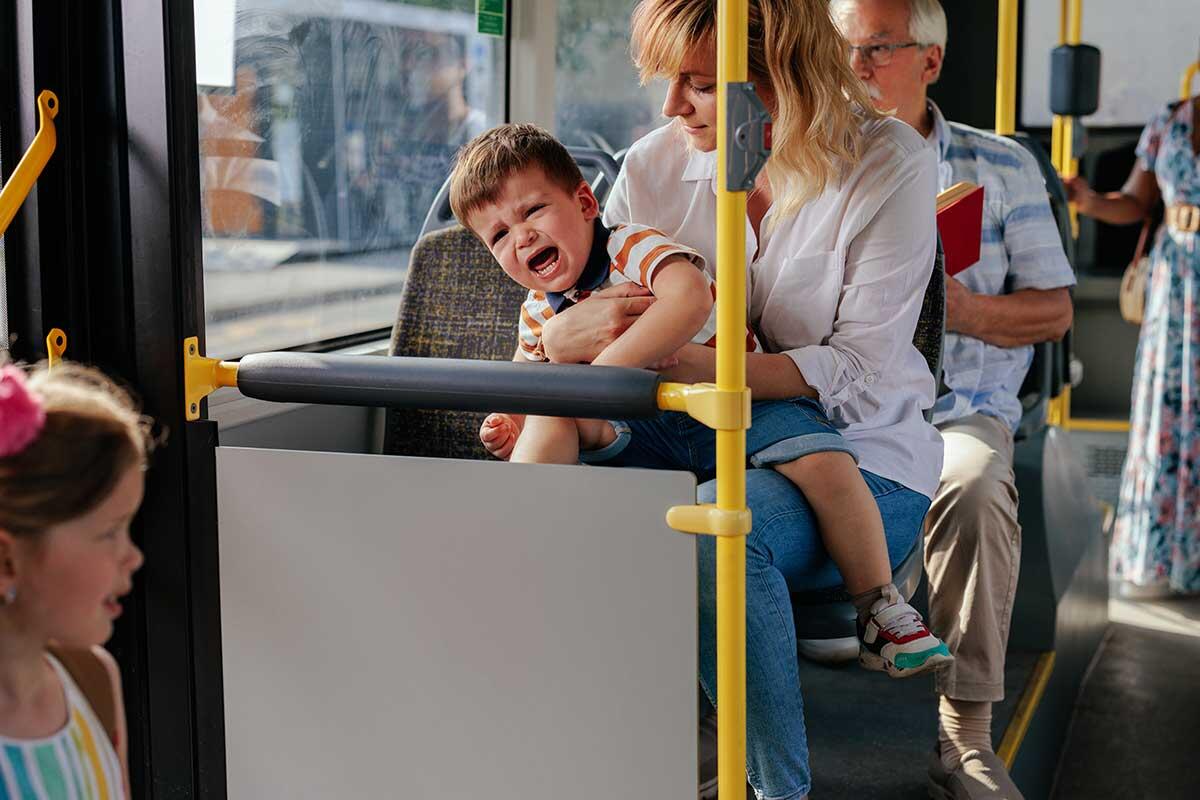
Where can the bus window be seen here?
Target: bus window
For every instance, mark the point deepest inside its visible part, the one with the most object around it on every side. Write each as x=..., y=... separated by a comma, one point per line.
x=598, y=102
x=321, y=147
x=1136, y=81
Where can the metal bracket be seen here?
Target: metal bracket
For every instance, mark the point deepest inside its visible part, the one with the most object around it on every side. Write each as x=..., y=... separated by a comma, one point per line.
x=202, y=376
x=708, y=519
x=719, y=409
x=748, y=132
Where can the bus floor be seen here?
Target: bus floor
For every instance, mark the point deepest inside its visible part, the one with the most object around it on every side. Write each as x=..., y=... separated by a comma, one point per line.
x=882, y=750
x=1136, y=731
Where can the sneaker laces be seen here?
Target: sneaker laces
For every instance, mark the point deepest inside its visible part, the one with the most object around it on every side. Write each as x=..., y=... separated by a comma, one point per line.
x=901, y=622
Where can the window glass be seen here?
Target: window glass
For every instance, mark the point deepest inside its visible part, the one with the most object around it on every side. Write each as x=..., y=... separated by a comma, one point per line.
x=326, y=129
x=1144, y=52
x=598, y=102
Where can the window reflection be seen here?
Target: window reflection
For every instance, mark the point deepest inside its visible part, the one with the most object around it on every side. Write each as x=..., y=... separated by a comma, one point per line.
x=319, y=163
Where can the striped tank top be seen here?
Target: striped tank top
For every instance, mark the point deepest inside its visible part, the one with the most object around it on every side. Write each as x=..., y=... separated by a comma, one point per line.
x=77, y=763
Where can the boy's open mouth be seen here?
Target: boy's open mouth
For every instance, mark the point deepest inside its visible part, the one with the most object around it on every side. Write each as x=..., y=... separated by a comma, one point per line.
x=543, y=262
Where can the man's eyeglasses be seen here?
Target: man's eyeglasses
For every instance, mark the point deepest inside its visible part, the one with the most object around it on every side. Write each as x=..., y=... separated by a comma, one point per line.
x=879, y=55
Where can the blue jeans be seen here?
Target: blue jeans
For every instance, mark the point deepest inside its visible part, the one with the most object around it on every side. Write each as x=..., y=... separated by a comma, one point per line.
x=783, y=553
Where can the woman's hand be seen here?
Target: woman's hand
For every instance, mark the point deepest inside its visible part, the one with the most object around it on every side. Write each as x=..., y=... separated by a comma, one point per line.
x=498, y=434
x=1082, y=195
x=578, y=334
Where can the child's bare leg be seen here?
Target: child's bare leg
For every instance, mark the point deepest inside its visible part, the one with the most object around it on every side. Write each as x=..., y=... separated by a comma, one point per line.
x=547, y=440
x=557, y=440
x=847, y=517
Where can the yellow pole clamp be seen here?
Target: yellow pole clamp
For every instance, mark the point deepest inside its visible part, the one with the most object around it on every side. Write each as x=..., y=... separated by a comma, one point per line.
x=202, y=376
x=56, y=345
x=33, y=162
x=719, y=409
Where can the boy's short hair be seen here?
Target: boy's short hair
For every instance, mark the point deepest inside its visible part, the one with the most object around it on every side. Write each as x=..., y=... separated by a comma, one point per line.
x=491, y=158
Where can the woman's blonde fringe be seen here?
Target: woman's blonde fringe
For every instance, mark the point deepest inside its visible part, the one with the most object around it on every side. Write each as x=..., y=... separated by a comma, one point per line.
x=796, y=50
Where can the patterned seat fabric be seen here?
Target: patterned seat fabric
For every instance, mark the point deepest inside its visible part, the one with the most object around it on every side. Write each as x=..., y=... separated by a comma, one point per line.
x=457, y=303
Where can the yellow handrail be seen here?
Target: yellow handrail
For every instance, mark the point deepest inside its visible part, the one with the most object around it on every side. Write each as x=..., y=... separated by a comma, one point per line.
x=1185, y=86
x=32, y=163
x=732, y=65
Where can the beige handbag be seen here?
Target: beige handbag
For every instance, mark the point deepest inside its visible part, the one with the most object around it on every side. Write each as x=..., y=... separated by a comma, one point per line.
x=1133, y=283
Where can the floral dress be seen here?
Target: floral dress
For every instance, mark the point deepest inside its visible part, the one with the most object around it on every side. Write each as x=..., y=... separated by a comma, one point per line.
x=1157, y=534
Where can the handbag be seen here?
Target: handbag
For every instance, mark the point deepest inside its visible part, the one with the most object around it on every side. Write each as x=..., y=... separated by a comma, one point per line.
x=1132, y=299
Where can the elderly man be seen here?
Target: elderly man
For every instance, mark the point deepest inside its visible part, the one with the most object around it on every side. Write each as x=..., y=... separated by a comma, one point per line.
x=1015, y=296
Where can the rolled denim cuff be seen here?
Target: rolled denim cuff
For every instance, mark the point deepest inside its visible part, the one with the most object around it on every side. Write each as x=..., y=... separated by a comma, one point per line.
x=797, y=446
x=610, y=450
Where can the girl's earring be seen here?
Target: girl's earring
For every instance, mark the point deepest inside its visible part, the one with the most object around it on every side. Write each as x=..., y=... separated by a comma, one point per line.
x=10, y=596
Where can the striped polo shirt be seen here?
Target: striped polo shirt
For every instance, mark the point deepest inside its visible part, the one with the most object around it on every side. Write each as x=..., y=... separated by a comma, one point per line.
x=77, y=763
x=1020, y=249
x=624, y=254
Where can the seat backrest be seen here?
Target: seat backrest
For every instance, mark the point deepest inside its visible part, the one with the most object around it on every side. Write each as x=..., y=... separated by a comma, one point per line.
x=598, y=164
x=931, y=325
x=457, y=303
x=1049, y=371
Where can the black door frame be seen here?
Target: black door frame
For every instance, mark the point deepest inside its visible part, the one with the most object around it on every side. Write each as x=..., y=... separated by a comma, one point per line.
x=108, y=248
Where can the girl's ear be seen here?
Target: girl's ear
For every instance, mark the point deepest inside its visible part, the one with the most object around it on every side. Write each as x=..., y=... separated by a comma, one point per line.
x=588, y=203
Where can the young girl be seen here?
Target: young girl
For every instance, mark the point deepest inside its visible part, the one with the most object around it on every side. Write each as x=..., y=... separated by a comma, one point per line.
x=72, y=453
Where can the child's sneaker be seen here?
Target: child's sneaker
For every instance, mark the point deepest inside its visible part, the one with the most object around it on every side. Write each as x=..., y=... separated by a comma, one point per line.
x=894, y=639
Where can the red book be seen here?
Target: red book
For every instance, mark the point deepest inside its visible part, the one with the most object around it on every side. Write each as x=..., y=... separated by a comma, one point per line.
x=960, y=223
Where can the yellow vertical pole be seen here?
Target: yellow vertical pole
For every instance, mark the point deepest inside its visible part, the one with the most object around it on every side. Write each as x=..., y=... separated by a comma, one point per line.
x=1057, y=133
x=732, y=65
x=1006, y=69
x=1070, y=31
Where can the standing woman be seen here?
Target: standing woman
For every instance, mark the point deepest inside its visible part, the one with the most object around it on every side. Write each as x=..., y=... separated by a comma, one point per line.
x=839, y=247
x=1156, y=542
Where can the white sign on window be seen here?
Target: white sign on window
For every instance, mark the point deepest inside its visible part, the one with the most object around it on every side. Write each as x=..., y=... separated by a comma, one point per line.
x=214, y=42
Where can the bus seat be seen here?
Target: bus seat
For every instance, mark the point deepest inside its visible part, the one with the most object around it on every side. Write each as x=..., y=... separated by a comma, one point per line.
x=826, y=614
x=591, y=161
x=456, y=304
x=1049, y=371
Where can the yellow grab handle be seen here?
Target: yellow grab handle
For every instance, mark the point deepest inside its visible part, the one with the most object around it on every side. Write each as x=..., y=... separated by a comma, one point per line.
x=56, y=345
x=1185, y=87
x=32, y=163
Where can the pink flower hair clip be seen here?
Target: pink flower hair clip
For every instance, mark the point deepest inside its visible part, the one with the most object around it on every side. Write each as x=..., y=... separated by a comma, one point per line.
x=21, y=414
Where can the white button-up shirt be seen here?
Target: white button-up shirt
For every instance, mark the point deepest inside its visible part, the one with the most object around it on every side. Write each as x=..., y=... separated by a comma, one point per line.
x=837, y=288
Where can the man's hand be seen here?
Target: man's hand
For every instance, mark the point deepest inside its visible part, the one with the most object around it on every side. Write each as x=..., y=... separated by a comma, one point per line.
x=498, y=434
x=578, y=334
x=958, y=306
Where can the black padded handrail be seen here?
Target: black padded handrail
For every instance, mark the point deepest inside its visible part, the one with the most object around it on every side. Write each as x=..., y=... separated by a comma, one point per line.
x=553, y=390
x=589, y=159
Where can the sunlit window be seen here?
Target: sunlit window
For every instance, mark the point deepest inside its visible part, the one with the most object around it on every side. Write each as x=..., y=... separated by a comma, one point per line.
x=1145, y=48
x=598, y=100
x=325, y=130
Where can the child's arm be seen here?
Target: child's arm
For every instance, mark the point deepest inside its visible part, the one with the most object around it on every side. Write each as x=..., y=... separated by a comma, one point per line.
x=683, y=304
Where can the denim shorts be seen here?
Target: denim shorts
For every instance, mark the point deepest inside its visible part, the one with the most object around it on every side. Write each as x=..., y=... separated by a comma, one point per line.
x=780, y=431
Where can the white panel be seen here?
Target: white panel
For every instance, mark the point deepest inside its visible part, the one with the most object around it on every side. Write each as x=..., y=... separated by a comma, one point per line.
x=422, y=628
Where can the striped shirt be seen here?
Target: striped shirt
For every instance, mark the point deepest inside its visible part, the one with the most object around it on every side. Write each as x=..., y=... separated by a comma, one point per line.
x=77, y=763
x=1020, y=249
x=625, y=254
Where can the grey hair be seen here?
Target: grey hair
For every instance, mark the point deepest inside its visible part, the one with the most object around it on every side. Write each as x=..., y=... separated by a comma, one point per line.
x=926, y=20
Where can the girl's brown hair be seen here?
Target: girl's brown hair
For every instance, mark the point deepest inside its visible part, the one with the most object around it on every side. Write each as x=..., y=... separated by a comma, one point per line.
x=798, y=53
x=92, y=435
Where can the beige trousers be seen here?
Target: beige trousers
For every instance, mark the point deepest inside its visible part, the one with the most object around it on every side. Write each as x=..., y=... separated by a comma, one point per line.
x=972, y=556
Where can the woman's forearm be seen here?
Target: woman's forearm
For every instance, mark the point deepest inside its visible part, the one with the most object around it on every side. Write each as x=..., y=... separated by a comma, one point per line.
x=1115, y=208
x=770, y=376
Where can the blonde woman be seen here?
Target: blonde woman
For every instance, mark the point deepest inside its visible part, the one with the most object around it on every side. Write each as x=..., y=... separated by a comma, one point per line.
x=839, y=247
